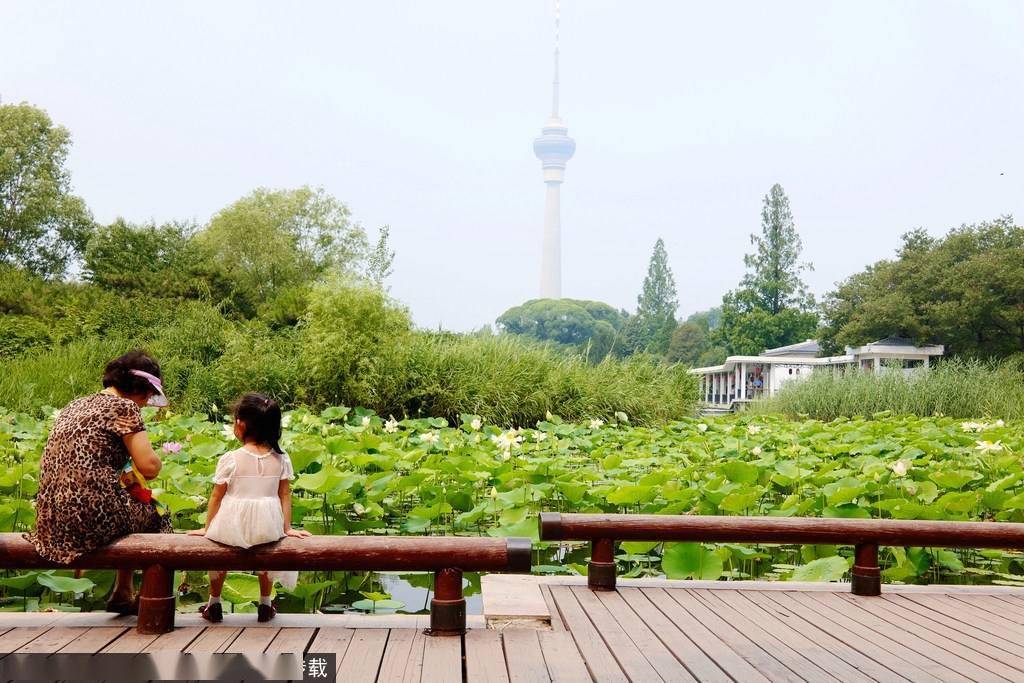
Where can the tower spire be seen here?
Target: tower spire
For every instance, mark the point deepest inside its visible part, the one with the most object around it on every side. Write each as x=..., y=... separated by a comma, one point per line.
x=554, y=99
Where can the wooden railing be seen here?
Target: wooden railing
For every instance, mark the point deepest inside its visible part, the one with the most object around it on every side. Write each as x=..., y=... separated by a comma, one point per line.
x=159, y=555
x=866, y=535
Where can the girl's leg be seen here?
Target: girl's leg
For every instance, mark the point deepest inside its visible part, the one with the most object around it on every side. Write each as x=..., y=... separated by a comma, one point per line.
x=216, y=584
x=266, y=587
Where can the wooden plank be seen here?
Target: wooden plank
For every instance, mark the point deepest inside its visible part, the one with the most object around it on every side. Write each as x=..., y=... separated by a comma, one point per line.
x=442, y=659
x=625, y=651
x=53, y=640
x=397, y=665
x=851, y=646
x=175, y=641
x=213, y=639
x=362, y=659
x=485, y=657
x=592, y=648
x=966, y=619
x=949, y=653
x=292, y=640
x=733, y=637
x=565, y=665
x=702, y=667
x=781, y=625
x=18, y=637
x=556, y=619
x=884, y=635
x=332, y=640
x=252, y=640
x=657, y=655
x=513, y=596
x=701, y=634
x=523, y=657
x=934, y=629
x=1005, y=609
x=93, y=640
x=131, y=641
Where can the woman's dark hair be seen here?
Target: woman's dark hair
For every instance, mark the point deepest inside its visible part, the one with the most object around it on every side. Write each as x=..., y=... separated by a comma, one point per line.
x=118, y=373
x=261, y=416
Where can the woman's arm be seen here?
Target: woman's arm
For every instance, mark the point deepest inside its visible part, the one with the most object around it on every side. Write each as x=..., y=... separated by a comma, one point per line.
x=284, y=492
x=216, y=496
x=147, y=462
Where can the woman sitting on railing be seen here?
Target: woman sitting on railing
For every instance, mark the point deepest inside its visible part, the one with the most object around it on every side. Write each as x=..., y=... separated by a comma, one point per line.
x=82, y=504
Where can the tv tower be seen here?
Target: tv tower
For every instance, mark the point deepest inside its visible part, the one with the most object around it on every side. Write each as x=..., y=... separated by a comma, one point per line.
x=554, y=148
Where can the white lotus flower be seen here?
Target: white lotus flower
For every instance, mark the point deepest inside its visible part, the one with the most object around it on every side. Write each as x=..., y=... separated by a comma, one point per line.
x=702, y=427
x=507, y=440
x=972, y=426
x=286, y=420
x=391, y=426
x=476, y=424
x=214, y=408
x=228, y=431
x=900, y=467
x=493, y=493
x=366, y=421
x=756, y=450
x=358, y=509
x=430, y=437
x=548, y=416
x=753, y=429
x=596, y=424
x=989, y=447
x=540, y=436
x=998, y=423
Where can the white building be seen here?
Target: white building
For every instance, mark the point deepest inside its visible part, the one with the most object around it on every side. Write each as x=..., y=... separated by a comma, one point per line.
x=741, y=379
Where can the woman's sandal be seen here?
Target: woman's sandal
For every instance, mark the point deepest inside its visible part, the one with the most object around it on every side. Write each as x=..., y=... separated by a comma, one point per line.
x=265, y=612
x=212, y=612
x=124, y=607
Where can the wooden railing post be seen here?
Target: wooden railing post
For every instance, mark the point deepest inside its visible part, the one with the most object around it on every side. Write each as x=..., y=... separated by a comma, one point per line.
x=156, y=601
x=601, y=569
x=448, y=607
x=866, y=577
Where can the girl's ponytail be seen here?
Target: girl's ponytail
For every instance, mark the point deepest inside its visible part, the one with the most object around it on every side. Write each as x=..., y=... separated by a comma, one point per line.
x=261, y=416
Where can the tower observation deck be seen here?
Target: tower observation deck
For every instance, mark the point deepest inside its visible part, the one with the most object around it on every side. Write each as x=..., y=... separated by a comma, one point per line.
x=554, y=148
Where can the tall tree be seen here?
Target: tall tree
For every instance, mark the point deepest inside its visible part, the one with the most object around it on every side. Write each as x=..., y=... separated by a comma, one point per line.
x=652, y=327
x=771, y=307
x=381, y=258
x=589, y=327
x=43, y=226
x=273, y=239
x=964, y=290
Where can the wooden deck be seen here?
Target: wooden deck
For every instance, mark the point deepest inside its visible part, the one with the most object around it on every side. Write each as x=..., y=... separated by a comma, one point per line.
x=644, y=631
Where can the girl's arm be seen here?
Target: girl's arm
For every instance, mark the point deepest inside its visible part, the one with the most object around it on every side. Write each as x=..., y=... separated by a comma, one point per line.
x=284, y=492
x=211, y=510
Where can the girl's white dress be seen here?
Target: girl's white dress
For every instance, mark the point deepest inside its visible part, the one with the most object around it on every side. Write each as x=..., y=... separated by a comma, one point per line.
x=250, y=512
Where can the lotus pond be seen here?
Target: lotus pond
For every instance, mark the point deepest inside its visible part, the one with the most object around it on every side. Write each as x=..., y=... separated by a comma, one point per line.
x=359, y=473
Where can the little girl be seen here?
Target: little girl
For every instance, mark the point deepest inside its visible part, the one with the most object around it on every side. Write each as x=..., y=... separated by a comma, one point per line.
x=251, y=501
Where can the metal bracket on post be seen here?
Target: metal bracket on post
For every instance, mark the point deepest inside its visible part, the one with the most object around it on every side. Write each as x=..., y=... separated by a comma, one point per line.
x=601, y=568
x=156, y=601
x=448, y=607
x=866, y=577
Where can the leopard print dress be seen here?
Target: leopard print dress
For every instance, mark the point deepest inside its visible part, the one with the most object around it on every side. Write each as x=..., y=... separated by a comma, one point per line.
x=81, y=504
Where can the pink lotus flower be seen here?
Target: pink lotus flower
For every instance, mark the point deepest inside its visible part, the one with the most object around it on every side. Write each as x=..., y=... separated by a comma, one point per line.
x=172, y=447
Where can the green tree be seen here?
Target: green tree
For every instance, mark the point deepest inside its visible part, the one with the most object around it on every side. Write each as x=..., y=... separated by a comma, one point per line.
x=381, y=258
x=771, y=307
x=650, y=330
x=160, y=261
x=965, y=290
x=271, y=239
x=590, y=327
x=688, y=344
x=43, y=226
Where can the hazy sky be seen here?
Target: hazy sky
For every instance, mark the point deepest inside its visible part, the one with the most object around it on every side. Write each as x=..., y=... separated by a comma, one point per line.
x=876, y=117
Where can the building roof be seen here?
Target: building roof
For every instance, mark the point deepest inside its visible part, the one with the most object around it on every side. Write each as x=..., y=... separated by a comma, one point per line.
x=809, y=347
x=894, y=341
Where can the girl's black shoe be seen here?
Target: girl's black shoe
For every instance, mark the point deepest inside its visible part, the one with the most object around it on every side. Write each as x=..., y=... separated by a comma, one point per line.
x=214, y=612
x=265, y=612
